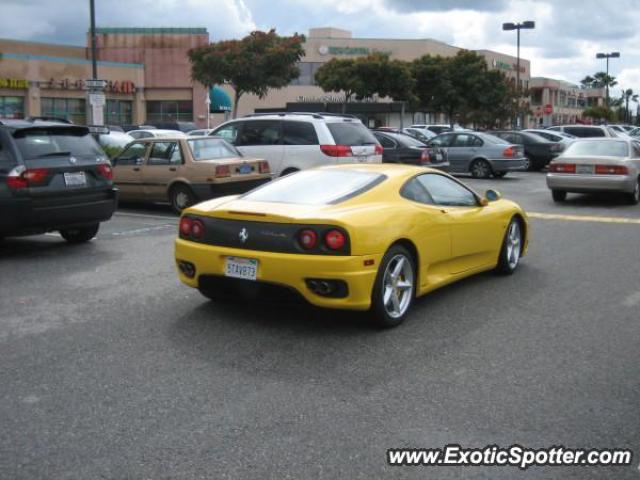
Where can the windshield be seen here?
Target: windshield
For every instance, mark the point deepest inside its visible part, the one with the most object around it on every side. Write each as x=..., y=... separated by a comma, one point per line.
x=351, y=133
x=212, y=149
x=316, y=187
x=50, y=142
x=597, y=148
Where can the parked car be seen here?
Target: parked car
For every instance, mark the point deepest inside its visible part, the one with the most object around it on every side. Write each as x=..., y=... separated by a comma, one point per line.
x=185, y=170
x=480, y=154
x=421, y=134
x=128, y=128
x=585, y=131
x=114, y=142
x=183, y=127
x=539, y=151
x=597, y=165
x=296, y=141
x=437, y=129
x=560, y=137
x=635, y=132
x=360, y=237
x=53, y=177
x=403, y=148
x=203, y=132
x=155, y=133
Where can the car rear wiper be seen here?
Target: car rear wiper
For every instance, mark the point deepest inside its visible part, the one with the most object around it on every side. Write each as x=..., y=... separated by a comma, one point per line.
x=55, y=154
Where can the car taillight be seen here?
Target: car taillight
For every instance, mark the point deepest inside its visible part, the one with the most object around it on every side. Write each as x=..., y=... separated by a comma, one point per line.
x=611, y=170
x=336, y=150
x=509, y=152
x=185, y=226
x=562, y=167
x=20, y=177
x=264, y=167
x=307, y=239
x=223, y=171
x=335, y=239
x=197, y=229
x=105, y=171
x=379, y=150
x=425, y=157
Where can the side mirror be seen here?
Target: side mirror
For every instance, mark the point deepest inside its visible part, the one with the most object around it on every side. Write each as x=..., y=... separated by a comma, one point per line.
x=492, y=195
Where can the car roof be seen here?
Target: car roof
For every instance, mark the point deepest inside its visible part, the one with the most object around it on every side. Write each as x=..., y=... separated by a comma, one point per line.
x=391, y=170
x=323, y=116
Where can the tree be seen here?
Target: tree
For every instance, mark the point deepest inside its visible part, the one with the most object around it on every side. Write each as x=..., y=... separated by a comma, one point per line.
x=365, y=77
x=599, y=112
x=628, y=95
x=587, y=82
x=254, y=64
x=602, y=80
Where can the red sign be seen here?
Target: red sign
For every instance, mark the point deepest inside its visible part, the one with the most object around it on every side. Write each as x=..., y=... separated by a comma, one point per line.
x=548, y=109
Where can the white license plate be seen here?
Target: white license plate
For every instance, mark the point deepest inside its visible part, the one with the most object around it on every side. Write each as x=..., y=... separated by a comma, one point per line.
x=75, y=179
x=238, y=267
x=584, y=169
x=438, y=157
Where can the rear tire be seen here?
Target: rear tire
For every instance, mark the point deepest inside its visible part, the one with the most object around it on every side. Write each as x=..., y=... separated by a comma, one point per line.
x=181, y=197
x=634, y=197
x=511, y=248
x=80, y=234
x=394, y=288
x=480, y=169
x=558, y=195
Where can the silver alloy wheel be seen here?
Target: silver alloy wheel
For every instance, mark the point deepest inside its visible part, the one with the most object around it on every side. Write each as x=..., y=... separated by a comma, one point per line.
x=636, y=192
x=481, y=169
x=514, y=241
x=527, y=163
x=397, y=286
x=182, y=200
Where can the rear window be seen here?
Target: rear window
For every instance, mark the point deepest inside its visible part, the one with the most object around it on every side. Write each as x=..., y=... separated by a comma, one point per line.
x=299, y=133
x=585, y=131
x=351, y=133
x=597, y=149
x=211, y=149
x=50, y=142
x=493, y=139
x=408, y=140
x=316, y=187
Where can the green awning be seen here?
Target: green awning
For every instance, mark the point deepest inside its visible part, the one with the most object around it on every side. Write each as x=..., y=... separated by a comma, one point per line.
x=220, y=100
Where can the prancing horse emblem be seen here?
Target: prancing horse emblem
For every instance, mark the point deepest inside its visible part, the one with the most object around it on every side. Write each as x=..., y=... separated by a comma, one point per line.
x=243, y=235
x=73, y=160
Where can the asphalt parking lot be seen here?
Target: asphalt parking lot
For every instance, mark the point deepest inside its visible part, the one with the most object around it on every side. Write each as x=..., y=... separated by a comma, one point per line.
x=112, y=369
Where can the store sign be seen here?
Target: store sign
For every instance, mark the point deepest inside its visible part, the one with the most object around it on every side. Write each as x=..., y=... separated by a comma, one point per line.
x=332, y=99
x=500, y=65
x=548, y=109
x=111, y=86
x=326, y=50
x=14, y=83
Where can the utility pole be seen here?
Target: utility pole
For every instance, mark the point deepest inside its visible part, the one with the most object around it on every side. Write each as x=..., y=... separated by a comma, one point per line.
x=527, y=25
x=607, y=56
x=95, y=87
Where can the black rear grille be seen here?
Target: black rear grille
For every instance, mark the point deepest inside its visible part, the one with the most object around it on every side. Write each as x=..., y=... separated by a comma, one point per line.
x=76, y=198
x=235, y=288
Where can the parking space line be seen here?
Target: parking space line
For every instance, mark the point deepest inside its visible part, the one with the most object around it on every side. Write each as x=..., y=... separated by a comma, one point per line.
x=583, y=218
x=144, y=215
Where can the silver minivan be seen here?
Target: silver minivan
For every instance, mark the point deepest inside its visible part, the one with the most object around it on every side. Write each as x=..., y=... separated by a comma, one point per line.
x=295, y=141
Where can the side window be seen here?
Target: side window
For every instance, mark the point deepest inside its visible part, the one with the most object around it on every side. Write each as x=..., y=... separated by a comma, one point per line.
x=386, y=142
x=476, y=142
x=260, y=132
x=462, y=140
x=228, y=132
x=447, y=192
x=557, y=129
x=414, y=190
x=133, y=155
x=441, y=140
x=519, y=139
x=164, y=153
x=299, y=133
x=5, y=154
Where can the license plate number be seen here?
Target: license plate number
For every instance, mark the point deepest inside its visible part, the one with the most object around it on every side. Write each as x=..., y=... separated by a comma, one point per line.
x=237, y=267
x=585, y=169
x=75, y=179
x=438, y=157
x=245, y=169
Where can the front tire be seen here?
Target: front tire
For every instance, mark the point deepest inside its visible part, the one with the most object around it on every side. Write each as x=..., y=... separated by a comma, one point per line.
x=634, y=197
x=181, y=197
x=558, y=195
x=499, y=174
x=480, y=169
x=80, y=234
x=394, y=288
x=511, y=248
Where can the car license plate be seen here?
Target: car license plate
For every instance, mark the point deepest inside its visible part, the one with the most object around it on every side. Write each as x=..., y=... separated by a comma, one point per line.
x=238, y=267
x=438, y=157
x=75, y=179
x=584, y=169
x=244, y=169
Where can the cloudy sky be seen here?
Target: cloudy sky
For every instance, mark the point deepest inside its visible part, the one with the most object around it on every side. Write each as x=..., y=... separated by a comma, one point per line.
x=567, y=36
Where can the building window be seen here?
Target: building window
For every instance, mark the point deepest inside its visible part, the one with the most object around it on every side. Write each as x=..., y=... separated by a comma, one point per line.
x=11, y=107
x=170, y=111
x=536, y=97
x=73, y=109
x=118, y=112
x=307, y=73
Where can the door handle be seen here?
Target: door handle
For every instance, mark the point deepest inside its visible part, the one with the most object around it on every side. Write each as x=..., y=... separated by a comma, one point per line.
x=136, y=169
x=172, y=169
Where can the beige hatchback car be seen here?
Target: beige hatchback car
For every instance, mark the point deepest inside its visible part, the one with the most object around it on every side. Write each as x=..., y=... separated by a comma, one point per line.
x=185, y=171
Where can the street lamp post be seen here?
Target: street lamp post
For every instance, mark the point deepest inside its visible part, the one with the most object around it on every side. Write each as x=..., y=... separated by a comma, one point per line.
x=527, y=25
x=607, y=56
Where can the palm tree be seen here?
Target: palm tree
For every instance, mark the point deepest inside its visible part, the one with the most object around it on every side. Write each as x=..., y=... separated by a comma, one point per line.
x=587, y=82
x=602, y=80
x=628, y=95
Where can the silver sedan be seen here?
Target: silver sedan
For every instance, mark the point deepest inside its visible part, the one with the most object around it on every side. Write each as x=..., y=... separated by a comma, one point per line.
x=597, y=165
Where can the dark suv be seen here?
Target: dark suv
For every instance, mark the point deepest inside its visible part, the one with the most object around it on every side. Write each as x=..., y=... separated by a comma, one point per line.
x=53, y=177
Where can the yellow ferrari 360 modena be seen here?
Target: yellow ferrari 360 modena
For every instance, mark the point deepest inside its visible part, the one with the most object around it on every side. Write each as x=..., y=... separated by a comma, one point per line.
x=362, y=237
